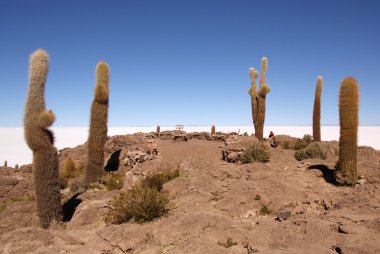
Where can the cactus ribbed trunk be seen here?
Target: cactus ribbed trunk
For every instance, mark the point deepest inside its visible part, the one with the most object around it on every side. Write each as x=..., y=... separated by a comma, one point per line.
x=346, y=171
x=40, y=140
x=259, y=130
x=98, y=126
x=258, y=98
x=213, y=130
x=317, y=111
x=253, y=93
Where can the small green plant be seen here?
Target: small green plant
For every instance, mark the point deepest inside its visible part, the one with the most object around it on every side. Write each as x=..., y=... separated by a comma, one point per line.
x=303, y=142
x=139, y=204
x=258, y=152
x=157, y=181
x=313, y=150
x=265, y=210
x=228, y=244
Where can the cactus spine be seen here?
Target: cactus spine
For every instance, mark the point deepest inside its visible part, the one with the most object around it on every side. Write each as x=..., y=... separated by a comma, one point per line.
x=317, y=110
x=258, y=98
x=98, y=125
x=213, y=130
x=346, y=169
x=40, y=140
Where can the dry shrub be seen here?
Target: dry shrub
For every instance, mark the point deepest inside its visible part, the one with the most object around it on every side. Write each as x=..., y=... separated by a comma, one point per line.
x=5, y=203
x=229, y=243
x=257, y=152
x=265, y=210
x=286, y=145
x=157, y=181
x=144, y=202
x=313, y=150
x=70, y=171
x=113, y=181
x=303, y=142
x=76, y=185
x=139, y=204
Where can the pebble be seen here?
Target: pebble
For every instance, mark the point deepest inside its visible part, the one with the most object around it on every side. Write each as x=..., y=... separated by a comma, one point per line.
x=361, y=181
x=283, y=215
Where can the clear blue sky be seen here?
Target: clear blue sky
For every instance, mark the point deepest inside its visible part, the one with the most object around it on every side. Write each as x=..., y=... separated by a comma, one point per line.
x=187, y=61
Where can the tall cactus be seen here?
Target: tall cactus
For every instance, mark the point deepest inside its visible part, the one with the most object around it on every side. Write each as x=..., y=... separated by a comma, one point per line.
x=258, y=98
x=98, y=125
x=40, y=140
x=317, y=110
x=213, y=130
x=346, y=169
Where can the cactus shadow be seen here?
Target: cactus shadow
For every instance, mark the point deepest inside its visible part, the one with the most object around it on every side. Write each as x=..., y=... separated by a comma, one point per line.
x=328, y=174
x=68, y=208
x=113, y=162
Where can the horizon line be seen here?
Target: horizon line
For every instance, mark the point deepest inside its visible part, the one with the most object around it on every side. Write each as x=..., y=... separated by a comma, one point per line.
x=146, y=126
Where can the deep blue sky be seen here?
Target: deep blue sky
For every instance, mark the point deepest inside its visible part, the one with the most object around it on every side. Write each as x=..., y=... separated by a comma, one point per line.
x=187, y=61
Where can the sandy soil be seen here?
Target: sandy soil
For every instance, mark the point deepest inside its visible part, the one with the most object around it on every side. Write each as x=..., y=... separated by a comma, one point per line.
x=213, y=201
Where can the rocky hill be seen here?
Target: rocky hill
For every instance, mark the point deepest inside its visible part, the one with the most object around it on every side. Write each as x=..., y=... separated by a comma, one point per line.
x=216, y=206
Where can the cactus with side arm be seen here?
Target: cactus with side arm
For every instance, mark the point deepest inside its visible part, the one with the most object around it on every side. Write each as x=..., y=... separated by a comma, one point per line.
x=41, y=141
x=258, y=98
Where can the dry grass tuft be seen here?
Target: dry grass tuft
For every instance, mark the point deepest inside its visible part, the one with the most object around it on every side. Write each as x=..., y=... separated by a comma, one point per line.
x=144, y=202
x=258, y=152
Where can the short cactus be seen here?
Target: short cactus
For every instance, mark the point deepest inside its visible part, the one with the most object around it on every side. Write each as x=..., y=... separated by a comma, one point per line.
x=40, y=140
x=158, y=130
x=258, y=98
x=5, y=164
x=317, y=110
x=346, y=169
x=213, y=130
x=98, y=126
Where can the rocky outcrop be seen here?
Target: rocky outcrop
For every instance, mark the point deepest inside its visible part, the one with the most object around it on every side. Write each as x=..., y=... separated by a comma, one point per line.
x=235, y=146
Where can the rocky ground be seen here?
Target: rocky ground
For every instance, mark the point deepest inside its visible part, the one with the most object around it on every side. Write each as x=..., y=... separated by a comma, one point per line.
x=282, y=206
